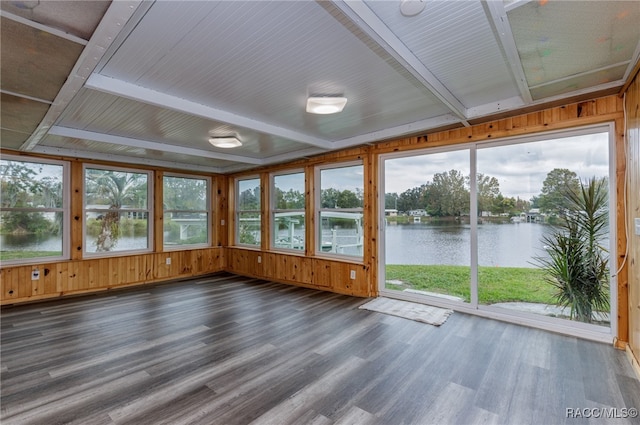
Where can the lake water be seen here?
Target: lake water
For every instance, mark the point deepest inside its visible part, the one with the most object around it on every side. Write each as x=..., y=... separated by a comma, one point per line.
x=505, y=245
x=500, y=245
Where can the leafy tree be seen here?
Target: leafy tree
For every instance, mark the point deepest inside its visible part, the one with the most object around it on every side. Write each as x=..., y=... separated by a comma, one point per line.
x=334, y=198
x=249, y=199
x=23, y=186
x=116, y=189
x=558, y=183
x=448, y=195
x=577, y=265
x=289, y=200
x=391, y=201
x=412, y=199
x=181, y=193
x=488, y=189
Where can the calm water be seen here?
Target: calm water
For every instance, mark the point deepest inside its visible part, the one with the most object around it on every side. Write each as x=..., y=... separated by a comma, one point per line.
x=503, y=245
x=506, y=245
x=31, y=242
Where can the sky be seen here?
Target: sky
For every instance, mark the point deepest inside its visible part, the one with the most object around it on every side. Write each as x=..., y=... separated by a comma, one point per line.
x=520, y=168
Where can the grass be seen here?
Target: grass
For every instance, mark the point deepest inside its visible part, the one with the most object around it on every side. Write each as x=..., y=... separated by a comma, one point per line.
x=19, y=255
x=495, y=284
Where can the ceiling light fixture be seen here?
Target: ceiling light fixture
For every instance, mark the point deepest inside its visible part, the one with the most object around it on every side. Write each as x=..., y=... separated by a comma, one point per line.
x=225, y=142
x=325, y=104
x=412, y=7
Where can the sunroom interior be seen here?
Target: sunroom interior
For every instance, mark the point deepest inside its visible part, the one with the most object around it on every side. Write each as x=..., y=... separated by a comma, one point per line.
x=153, y=142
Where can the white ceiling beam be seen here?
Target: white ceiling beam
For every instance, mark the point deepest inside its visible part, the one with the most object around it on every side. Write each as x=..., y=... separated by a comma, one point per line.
x=499, y=21
x=363, y=17
x=399, y=131
x=124, y=159
x=148, y=96
x=114, y=19
x=75, y=133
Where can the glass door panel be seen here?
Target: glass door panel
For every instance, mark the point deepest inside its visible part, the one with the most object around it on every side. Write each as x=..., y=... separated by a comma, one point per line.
x=523, y=211
x=427, y=228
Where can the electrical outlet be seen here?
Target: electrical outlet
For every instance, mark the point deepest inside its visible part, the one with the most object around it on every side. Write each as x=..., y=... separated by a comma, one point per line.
x=637, y=226
x=259, y=259
x=221, y=222
x=168, y=261
x=353, y=274
x=35, y=274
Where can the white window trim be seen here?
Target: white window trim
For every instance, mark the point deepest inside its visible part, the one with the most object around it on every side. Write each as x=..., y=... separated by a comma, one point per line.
x=573, y=328
x=237, y=211
x=149, y=211
x=209, y=213
x=318, y=211
x=65, y=209
x=273, y=210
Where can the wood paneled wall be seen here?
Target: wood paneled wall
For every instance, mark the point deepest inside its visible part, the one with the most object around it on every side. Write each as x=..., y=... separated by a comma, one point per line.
x=306, y=269
x=333, y=275
x=81, y=276
x=632, y=106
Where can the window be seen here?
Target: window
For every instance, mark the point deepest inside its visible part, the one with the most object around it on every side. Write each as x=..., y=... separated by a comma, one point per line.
x=288, y=213
x=187, y=211
x=341, y=199
x=116, y=210
x=248, y=207
x=523, y=232
x=33, y=217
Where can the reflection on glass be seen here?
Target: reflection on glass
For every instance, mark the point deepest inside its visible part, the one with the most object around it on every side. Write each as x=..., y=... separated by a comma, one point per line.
x=340, y=218
x=341, y=232
x=248, y=212
x=521, y=204
x=31, y=221
x=186, y=215
x=427, y=230
x=116, y=214
x=129, y=230
x=289, y=211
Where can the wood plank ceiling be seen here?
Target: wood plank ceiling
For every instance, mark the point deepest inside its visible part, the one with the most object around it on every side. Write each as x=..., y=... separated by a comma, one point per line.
x=150, y=81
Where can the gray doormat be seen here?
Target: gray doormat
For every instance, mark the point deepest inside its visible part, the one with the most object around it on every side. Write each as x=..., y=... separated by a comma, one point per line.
x=408, y=310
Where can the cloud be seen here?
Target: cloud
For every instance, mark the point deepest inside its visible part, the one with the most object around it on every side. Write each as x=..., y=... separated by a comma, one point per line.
x=520, y=168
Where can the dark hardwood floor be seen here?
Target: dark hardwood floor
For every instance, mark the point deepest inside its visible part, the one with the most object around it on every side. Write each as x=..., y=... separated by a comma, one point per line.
x=231, y=350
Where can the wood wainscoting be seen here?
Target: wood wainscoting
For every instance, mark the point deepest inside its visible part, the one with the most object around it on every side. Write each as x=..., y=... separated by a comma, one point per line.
x=311, y=272
x=80, y=276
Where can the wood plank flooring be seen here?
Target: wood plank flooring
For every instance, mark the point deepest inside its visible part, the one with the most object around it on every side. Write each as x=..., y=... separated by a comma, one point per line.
x=232, y=350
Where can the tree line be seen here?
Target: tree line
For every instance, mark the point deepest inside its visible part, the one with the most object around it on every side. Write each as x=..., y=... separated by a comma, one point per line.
x=448, y=195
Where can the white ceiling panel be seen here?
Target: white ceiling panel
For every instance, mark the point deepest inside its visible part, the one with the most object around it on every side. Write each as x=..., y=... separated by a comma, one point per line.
x=560, y=39
x=462, y=52
x=156, y=78
x=263, y=59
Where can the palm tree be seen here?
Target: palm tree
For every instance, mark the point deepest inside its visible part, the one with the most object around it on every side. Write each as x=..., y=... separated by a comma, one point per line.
x=117, y=189
x=577, y=265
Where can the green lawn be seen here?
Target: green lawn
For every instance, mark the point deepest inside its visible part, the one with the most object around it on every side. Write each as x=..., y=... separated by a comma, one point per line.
x=18, y=255
x=495, y=284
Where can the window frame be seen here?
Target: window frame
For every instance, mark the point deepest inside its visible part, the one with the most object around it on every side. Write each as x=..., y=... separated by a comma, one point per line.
x=65, y=209
x=573, y=328
x=237, y=211
x=319, y=210
x=273, y=210
x=149, y=210
x=209, y=211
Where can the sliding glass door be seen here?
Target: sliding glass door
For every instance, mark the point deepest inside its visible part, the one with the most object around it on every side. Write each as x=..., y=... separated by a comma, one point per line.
x=516, y=227
x=427, y=229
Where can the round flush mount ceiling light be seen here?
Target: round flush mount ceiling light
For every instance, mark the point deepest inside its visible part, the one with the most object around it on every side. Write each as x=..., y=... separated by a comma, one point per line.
x=225, y=142
x=412, y=7
x=325, y=104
